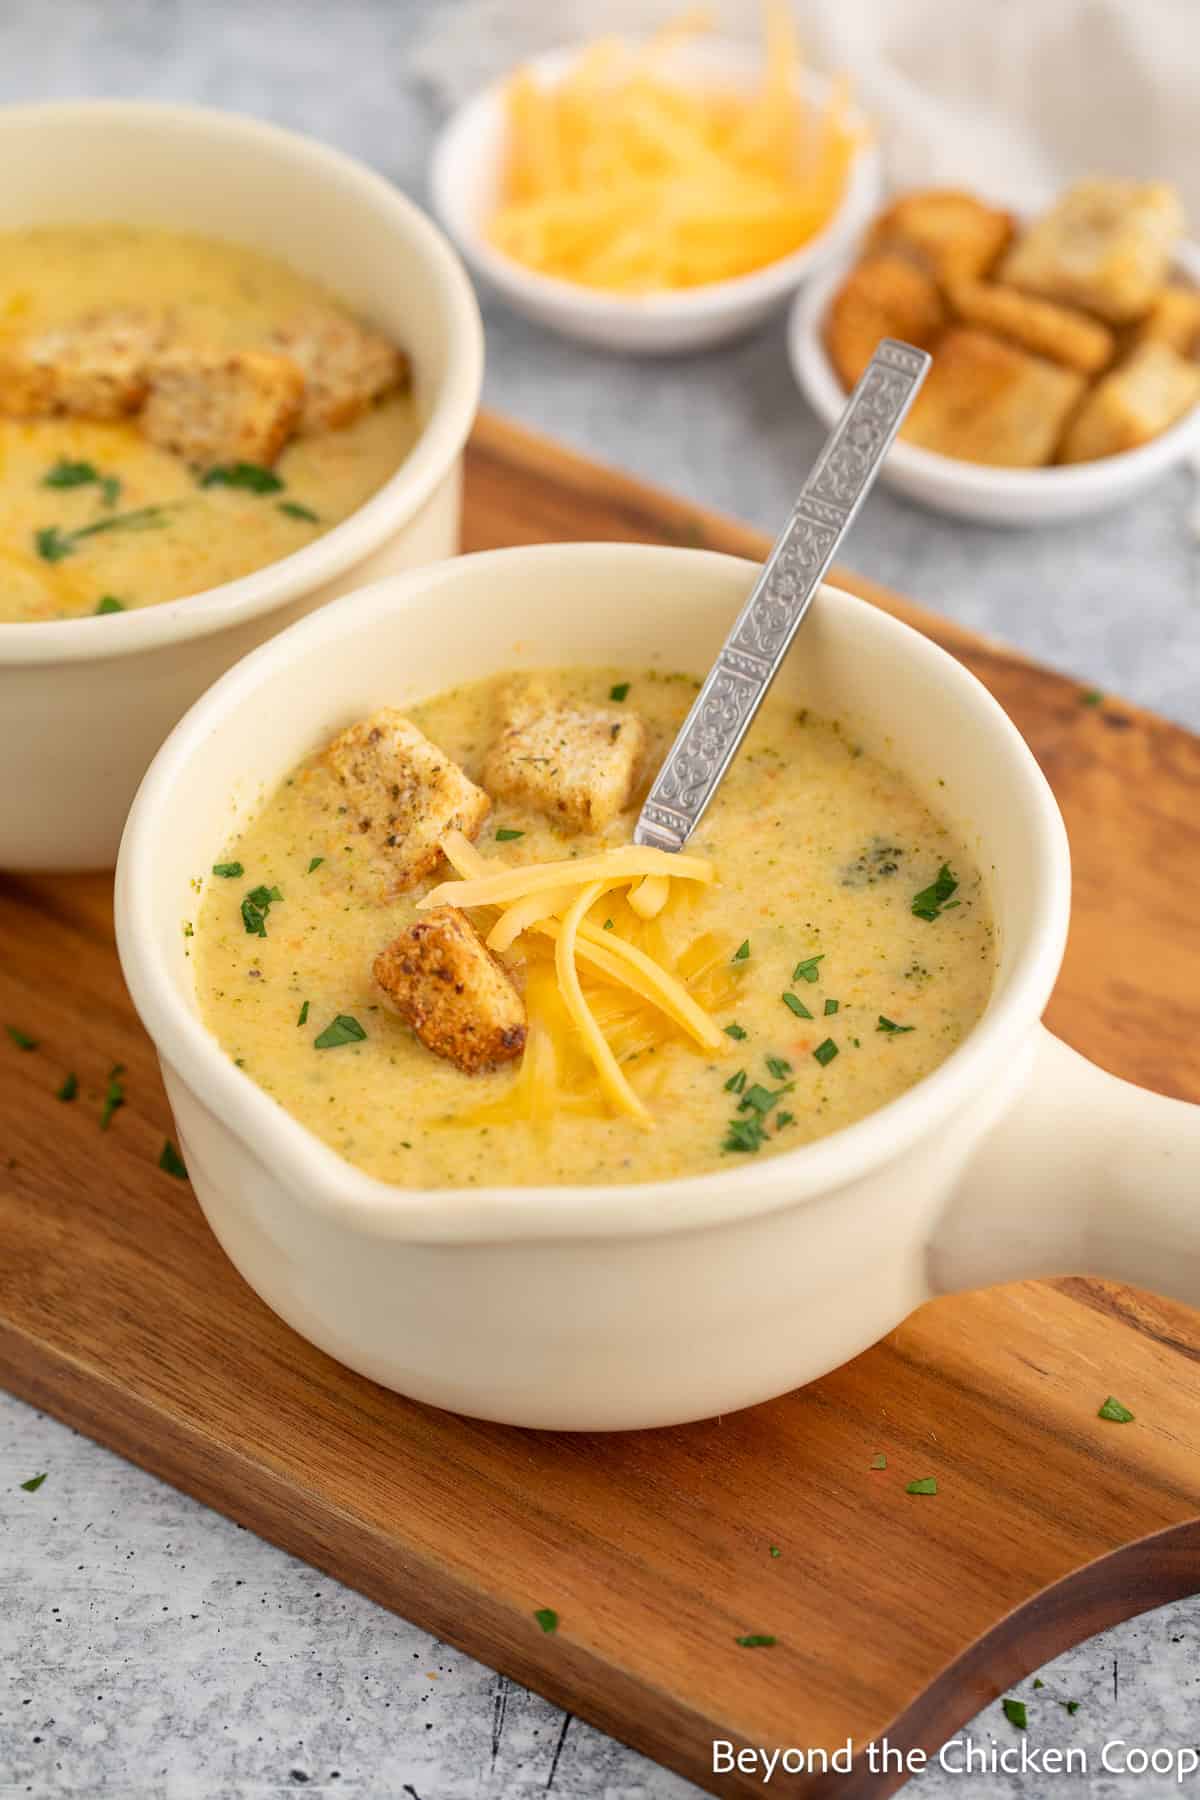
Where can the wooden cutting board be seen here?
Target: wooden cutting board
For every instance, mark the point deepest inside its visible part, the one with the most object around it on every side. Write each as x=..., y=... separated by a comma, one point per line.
x=893, y=1614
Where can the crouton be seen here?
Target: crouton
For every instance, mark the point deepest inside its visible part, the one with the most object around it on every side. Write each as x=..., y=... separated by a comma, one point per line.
x=95, y=368
x=216, y=406
x=346, y=367
x=402, y=796
x=1104, y=245
x=578, y=764
x=987, y=402
x=1133, y=404
x=1056, y=332
x=1173, y=319
x=458, y=997
x=949, y=233
x=882, y=296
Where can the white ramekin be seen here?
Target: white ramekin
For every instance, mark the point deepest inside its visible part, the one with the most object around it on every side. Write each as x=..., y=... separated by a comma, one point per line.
x=84, y=703
x=974, y=490
x=649, y=1304
x=466, y=178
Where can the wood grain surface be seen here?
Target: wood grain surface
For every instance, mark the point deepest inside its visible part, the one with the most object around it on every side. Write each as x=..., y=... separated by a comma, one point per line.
x=892, y=1613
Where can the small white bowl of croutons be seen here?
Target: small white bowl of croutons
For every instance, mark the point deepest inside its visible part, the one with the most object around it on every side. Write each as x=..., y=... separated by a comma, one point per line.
x=1066, y=347
x=656, y=198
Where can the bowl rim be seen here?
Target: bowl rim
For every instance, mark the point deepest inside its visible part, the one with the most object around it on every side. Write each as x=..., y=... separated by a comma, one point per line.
x=683, y=304
x=317, y=1177
x=440, y=440
x=815, y=376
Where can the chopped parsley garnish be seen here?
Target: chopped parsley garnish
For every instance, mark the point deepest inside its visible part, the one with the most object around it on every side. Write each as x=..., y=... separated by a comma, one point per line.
x=760, y=1099
x=34, y=1483
x=1071, y=1706
x=547, y=1618
x=746, y=1131
x=608, y=925
x=506, y=836
x=735, y=1031
x=171, y=1163
x=755, y=1640
x=294, y=510
x=255, y=907
x=1112, y=1409
x=52, y=543
x=252, y=477
x=795, y=1005
x=1091, y=697
x=344, y=1030
x=784, y=1118
x=927, y=1485
x=619, y=692
x=20, y=1038
x=736, y=1083
x=826, y=1052
x=1014, y=1712
x=879, y=1460
x=745, y=1134
x=929, y=903
x=891, y=1026
x=775, y=1550
x=69, y=1088
x=108, y=603
x=303, y=1019
x=314, y=863
x=778, y=1067
x=66, y=474
x=742, y=951
x=114, y=1096
x=807, y=970
x=229, y=870
x=1038, y=1682
x=831, y=1007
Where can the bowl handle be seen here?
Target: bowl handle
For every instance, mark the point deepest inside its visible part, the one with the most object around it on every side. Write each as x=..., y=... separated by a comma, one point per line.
x=1083, y=1174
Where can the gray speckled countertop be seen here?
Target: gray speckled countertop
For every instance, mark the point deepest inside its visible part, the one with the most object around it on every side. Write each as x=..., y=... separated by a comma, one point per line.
x=151, y=1648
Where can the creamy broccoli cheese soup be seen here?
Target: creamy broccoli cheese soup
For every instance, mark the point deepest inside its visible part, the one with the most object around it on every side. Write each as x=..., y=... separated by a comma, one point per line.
x=156, y=432
x=834, y=940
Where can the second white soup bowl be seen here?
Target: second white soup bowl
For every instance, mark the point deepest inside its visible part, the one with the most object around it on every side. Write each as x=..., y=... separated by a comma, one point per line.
x=653, y=1303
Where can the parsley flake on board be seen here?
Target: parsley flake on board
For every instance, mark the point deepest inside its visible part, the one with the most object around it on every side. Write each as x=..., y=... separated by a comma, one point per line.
x=755, y=1640
x=507, y=836
x=229, y=870
x=796, y=1006
x=931, y=901
x=1112, y=1409
x=34, y=1483
x=742, y=951
x=294, y=510
x=69, y=1088
x=619, y=691
x=20, y=1038
x=826, y=1052
x=1014, y=1712
x=775, y=1550
x=879, y=1460
x=926, y=1485
x=251, y=477
x=171, y=1163
x=255, y=907
x=807, y=970
x=735, y=1031
x=547, y=1618
x=1091, y=697
x=345, y=1029
x=890, y=1025
x=114, y=1096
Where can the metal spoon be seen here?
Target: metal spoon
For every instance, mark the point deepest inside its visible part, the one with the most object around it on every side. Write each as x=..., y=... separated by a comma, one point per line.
x=751, y=655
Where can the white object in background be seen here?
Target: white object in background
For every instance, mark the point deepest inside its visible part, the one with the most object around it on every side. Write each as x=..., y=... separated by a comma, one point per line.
x=466, y=178
x=994, y=496
x=608, y=1307
x=84, y=703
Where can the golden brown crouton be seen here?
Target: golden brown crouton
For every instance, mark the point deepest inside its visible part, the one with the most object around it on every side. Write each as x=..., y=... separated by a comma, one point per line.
x=95, y=368
x=1133, y=404
x=578, y=764
x=1104, y=245
x=218, y=406
x=1173, y=319
x=1056, y=332
x=346, y=367
x=457, y=996
x=403, y=795
x=951, y=234
x=882, y=296
x=987, y=402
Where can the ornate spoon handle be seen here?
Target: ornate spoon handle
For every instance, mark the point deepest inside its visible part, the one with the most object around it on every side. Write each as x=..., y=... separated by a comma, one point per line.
x=751, y=655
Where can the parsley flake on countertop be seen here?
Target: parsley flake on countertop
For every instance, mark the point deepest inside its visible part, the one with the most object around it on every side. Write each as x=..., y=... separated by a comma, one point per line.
x=294, y=510
x=229, y=870
x=735, y=1031
x=507, y=836
x=1070, y=1706
x=891, y=1026
x=114, y=1097
x=247, y=475
x=303, y=1019
x=795, y=1005
x=755, y=1640
x=1112, y=1409
x=1038, y=1682
x=619, y=691
x=807, y=970
x=171, y=1163
x=547, y=1618
x=931, y=901
x=345, y=1029
x=20, y=1038
x=826, y=1052
x=879, y=1460
x=1014, y=1712
x=926, y=1485
x=742, y=951
x=69, y=1088
x=34, y=1483
x=255, y=907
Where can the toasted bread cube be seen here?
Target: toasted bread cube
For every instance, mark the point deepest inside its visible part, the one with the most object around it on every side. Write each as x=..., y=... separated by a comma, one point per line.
x=96, y=368
x=1104, y=245
x=216, y=406
x=402, y=794
x=346, y=367
x=1056, y=332
x=1133, y=404
x=577, y=764
x=1174, y=319
x=882, y=296
x=458, y=997
x=949, y=233
x=986, y=402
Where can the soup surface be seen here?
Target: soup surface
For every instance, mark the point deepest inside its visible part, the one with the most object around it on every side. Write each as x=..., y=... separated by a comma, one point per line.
x=88, y=482
x=831, y=995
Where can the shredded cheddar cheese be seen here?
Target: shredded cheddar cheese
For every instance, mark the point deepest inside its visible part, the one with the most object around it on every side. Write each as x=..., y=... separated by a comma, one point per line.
x=621, y=177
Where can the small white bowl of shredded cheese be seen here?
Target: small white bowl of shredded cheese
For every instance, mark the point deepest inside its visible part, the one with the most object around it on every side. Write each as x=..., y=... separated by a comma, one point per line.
x=638, y=309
